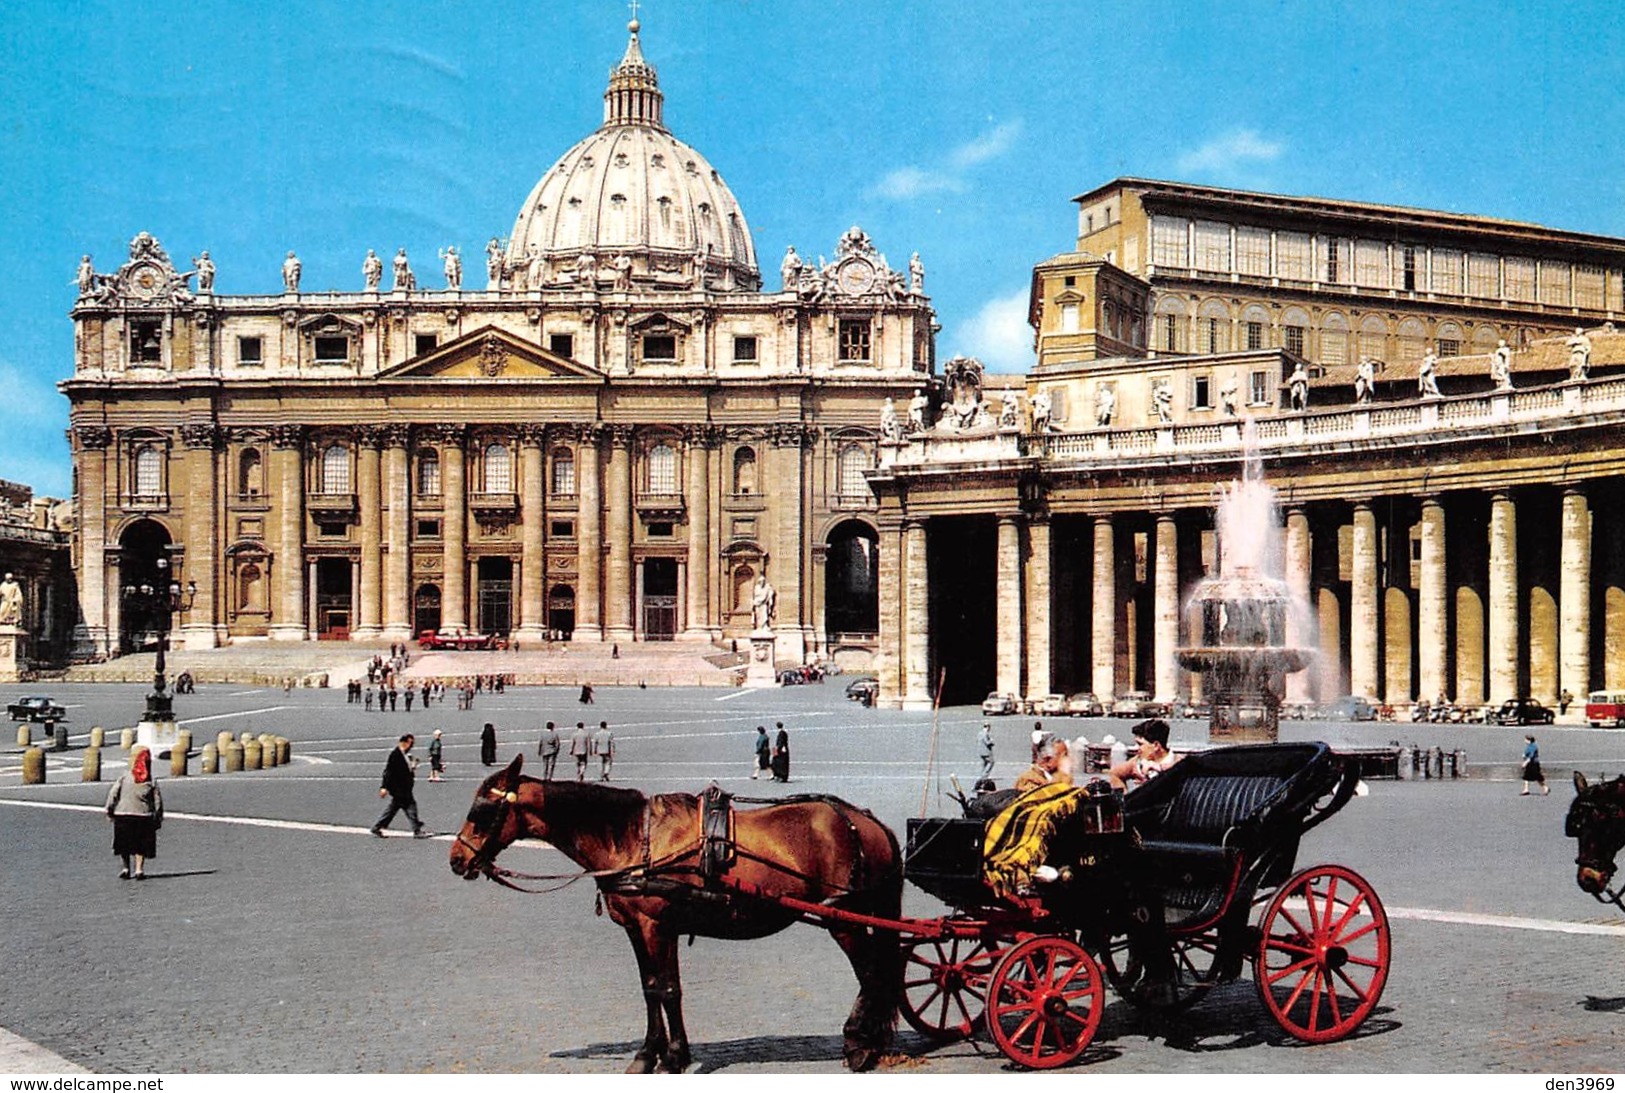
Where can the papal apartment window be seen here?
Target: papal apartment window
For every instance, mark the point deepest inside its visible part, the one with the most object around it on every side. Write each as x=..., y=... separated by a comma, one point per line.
x=333, y=530
x=561, y=529
x=1294, y=340
x=1201, y=393
x=428, y=473
x=149, y=472
x=332, y=350
x=146, y=341
x=563, y=345
x=498, y=470
x=745, y=350
x=1258, y=389
x=423, y=343
x=662, y=469
x=1170, y=333
x=1449, y=347
x=661, y=529
x=1255, y=335
x=250, y=351
x=854, y=340
x=564, y=473
x=428, y=529
x=336, y=470
x=659, y=347
x=1213, y=335
x=1332, y=271
x=1410, y=269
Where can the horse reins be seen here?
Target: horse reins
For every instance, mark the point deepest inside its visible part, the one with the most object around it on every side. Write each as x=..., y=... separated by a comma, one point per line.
x=1594, y=814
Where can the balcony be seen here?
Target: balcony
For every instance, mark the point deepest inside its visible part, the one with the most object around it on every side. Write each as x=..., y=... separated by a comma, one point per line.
x=331, y=506
x=494, y=503
x=660, y=506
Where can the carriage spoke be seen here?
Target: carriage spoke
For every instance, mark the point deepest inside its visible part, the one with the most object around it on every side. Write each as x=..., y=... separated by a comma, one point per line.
x=1276, y=976
x=1349, y=912
x=1361, y=932
x=1295, y=924
x=1314, y=1001
x=1288, y=944
x=1359, y=991
x=1346, y=914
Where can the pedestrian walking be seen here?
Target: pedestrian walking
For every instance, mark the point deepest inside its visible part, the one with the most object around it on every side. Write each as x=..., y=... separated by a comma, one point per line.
x=399, y=776
x=603, y=746
x=137, y=810
x=1531, y=771
x=764, y=753
x=781, y=754
x=586, y=694
x=488, y=744
x=548, y=749
x=409, y=693
x=369, y=700
x=437, y=759
x=580, y=749
x=394, y=696
x=984, y=745
x=425, y=695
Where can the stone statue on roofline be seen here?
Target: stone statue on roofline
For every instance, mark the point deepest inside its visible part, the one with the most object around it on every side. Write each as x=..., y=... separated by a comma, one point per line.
x=919, y=412
x=291, y=270
x=1298, y=387
x=1501, y=366
x=453, y=265
x=1105, y=404
x=1365, y=380
x=372, y=270
x=1427, y=375
x=890, y=427
x=1043, y=407
x=916, y=273
x=1579, y=356
x=790, y=269
x=493, y=263
x=404, y=277
x=204, y=265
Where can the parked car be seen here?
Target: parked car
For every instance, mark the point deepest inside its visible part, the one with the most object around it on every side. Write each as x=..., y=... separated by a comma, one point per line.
x=1196, y=711
x=455, y=639
x=863, y=689
x=1052, y=706
x=1353, y=708
x=1084, y=704
x=1523, y=711
x=1132, y=704
x=999, y=702
x=35, y=708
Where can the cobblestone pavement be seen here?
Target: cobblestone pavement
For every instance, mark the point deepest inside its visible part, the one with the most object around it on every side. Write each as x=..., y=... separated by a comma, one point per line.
x=299, y=944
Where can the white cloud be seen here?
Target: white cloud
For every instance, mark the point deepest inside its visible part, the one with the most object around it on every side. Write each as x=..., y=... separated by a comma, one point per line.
x=998, y=335
x=906, y=183
x=1230, y=151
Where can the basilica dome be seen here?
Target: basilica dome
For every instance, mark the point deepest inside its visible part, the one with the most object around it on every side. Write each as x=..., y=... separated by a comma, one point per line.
x=632, y=202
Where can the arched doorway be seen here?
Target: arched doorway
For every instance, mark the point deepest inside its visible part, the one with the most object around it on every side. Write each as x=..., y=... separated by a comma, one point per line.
x=659, y=599
x=140, y=619
x=561, y=610
x=426, y=608
x=334, y=599
x=495, y=577
x=851, y=580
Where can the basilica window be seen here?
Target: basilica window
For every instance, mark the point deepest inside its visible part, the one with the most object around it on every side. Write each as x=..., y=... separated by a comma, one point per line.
x=428, y=473
x=660, y=347
x=662, y=469
x=1170, y=333
x=850, y=468
x=250, y=351
x=563, y=345
x=498, y=466
x=1449, y=347
x=854, y=340
x=250, y=474
x=564, y=472
x=332, y=350
x=745, y=351
x=336, y=470
x=423, y=343
x=744, y=471
x=146, y=341
x=149, y=471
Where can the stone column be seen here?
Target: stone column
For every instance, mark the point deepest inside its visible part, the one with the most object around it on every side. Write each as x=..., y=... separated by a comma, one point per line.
x=916, y=619
x=98, y=607
x=1329, y=617
x=1103, y=632
x=1503, y=613
x=1165, y=611
x=1433, y=605
x=618, y=533
x=532, y=523
x=369, y=616
x=697, y=622
x=397, y=490
x=454, y=528
x=786, y=489
x=201, y=627
x=1037, y=599
x=589, y=539
x=1299, y=632
x=889, y=572
x=1364, y=644
x=1008, y=638
x=288, y=572
x=1574, y=591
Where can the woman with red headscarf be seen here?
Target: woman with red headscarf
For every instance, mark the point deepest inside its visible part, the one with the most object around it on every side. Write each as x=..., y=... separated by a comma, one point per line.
x=137, y=810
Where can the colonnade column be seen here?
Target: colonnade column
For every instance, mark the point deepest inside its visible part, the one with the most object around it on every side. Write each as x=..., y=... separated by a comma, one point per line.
x=618, y=532
x=889, y=572
x=916, y=619
x=1038, y=608
x=397, y=491
x=1574, y=591
x=1297, y=564
x=1503, y=612
x=1008, y=636
x=288, y=572
x=1103, y=631
x=370, y=609
x=532, y=523
x=789, y=444
x=589, y=539
x=1165, y=611
x=1364, y=644
x=97, y=605
x=1433, y=605
x=454, y=529
x=202, y=534
x=697, y=625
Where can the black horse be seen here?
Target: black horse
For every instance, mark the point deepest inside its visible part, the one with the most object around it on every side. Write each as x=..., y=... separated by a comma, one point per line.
x=1597, y=819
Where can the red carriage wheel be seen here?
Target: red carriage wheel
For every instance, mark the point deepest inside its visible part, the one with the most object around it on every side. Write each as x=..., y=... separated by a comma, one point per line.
x=945, y=985
x=1044, y=1002
x=1323, y=953
x=1196, y=971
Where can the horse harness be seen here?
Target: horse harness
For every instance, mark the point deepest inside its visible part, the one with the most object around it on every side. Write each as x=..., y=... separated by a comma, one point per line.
x=1594, y=815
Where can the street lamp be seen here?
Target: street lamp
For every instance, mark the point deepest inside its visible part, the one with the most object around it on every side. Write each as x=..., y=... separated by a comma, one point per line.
x=162, y=601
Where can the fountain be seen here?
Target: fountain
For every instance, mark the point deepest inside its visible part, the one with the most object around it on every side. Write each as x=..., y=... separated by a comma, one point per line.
x=1239, y=618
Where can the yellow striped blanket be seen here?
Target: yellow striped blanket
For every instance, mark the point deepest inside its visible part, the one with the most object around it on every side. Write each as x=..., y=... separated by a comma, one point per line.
x=1016, y=839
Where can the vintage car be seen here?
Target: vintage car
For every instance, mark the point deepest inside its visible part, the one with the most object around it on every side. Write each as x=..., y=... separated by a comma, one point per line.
x=1133, y=704
x=456, y=639
x=1051, y=706
x=863, y=689
x=999, y=702
x=1522, y=711
x=35, y=708
x=1084, y=704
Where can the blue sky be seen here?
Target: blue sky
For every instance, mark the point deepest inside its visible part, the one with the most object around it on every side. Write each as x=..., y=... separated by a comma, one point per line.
x=959, y=130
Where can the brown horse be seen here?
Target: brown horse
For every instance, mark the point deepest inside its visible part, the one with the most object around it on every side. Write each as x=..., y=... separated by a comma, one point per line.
x=1597, y=819
x=646, y=856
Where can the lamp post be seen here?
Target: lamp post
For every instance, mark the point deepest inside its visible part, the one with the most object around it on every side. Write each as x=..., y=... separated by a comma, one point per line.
x=161, y=601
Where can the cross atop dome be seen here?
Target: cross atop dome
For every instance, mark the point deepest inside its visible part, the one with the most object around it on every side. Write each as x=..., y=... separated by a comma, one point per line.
x=634, y=96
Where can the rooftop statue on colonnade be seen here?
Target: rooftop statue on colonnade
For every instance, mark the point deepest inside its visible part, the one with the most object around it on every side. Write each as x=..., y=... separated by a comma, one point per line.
x=1298, y=387
x=1427, y=381
x=1501, y=366
x=1579, y=356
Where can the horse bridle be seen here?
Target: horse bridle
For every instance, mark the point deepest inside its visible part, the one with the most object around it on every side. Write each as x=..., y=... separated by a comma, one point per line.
x=1585, y=814
x=501, y=802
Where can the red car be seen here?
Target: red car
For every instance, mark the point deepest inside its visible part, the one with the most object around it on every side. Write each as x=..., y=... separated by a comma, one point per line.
x=455, y=639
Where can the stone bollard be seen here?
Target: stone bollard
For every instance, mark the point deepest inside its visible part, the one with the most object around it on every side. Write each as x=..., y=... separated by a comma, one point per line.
x=177, y=762
x=268, y=749
x=34, y=767
x=98, y=737
x=222, y=740
x=57, y=733
x=210, y=763
x=92, y=770
x=183, y=741
x=126, y=739
x=234, y=758
x=25, y=736
x=284, y=750
x=253, y=757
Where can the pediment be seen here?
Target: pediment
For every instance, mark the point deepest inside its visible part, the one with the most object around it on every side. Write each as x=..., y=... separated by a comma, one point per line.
x=490, y=354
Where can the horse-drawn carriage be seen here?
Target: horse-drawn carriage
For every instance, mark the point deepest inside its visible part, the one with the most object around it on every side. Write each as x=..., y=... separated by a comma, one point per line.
x=1155, y=891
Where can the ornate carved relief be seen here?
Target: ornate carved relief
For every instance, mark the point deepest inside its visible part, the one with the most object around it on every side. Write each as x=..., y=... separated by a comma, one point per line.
x=368, y=436
x=288, y=436
x=204, y=434
x=446, y=433
x=531, y=433
x=619, y=436
x=493, y=356
x=397, y=434
x=148, y=279
x=93, y=437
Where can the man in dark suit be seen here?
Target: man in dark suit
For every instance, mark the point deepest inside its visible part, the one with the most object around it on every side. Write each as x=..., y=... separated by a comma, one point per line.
x=398, y=779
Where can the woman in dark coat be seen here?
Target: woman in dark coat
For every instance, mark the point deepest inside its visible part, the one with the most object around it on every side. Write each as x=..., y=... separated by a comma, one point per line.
x=488, y=744
x=137, y=809
x=781, y=755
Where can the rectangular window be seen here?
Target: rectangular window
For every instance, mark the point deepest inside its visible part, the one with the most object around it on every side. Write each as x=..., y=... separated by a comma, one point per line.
x=1168, y=240
x=1201, y=388
x=1449, y=347
x=1294, y=340
x=1588, y=287
x=1370, y=263
x=1520, y=279
x=1334, y=260
x=1170, y=333
x=745, y=349
x=564, y=477
x=1258, y=388
x=659, y=347
x=1484, y=276
x=333, y=531
x=250, y=351
x=1409, y=268
x=561, y=529
x=854, y=336
x=1292, y=257
x=1334, y=347
x=562, y=345
x=424, y=343
x=1212, y=246
x=428, y=529
x=1213, y=336
x=1253, y=252
x=1255, y=335
x=1446, y=278
x=660, y=529
x=1554, y=284
x=146, y=341
x=332, y=350
x=1069, y=318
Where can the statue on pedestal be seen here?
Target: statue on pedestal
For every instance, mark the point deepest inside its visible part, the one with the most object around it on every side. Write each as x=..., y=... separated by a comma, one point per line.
x=1043, y=407
x=1365, y=380
x=86, y=277
x=493, y=263
x=623, y=273
x=1579, y=356
x=764, y=603
x=11, y=602
x=404, y=278
x=587, y=269
x=919, y=409
x=1105, y=405
x=1162, y=401
x=790, y=269
x=1427, y=380
x=1298, y=387
x=291, y=269
x=916, y=273
x=453, y=268
x=205, y=272
x=1501, y=366
x=890, y=427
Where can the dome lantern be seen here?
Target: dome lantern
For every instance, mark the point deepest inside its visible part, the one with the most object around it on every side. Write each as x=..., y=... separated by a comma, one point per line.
x=633, y=97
